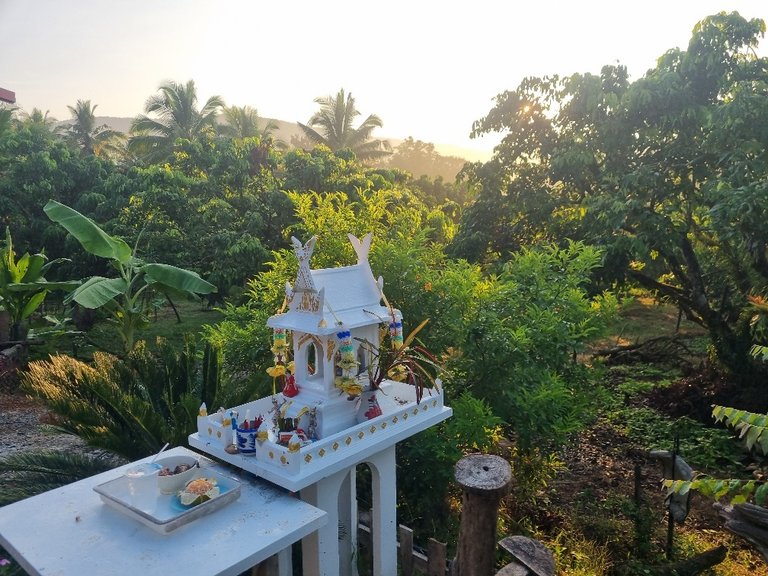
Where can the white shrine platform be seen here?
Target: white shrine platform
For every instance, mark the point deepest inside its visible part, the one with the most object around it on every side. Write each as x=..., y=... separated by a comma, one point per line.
x=323, y=472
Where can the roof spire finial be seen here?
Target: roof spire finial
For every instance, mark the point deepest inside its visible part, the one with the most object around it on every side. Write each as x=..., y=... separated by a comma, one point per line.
x=361, y=247
x=304, y=282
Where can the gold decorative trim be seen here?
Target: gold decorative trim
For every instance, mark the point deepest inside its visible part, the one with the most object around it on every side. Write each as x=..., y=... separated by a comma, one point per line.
x=348, y=441
x=271, y=455
x=310, y=302
x=331, y=348
x=361, y=434
x=372, y=429
x=321, y=452
x=335, y=446
x=383, y=425
x=395, y=420
x=304, y=339
x=405, y=415
x=308, y=458
x=283, y=459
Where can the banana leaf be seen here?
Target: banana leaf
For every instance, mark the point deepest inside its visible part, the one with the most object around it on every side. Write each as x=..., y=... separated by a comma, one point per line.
x=97, y=291
x=88, y=233
x=164, y=276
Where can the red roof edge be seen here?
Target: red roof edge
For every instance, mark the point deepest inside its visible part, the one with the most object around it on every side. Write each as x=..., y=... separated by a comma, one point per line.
x=7, y=96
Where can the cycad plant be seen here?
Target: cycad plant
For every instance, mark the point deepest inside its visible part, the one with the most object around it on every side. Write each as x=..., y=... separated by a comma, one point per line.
x=28, y=473
x=132, y=406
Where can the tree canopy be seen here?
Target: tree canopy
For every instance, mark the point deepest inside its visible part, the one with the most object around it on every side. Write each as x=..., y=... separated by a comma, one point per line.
x=668, y=173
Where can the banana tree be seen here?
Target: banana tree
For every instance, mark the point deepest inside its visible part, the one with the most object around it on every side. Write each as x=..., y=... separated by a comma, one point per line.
x=126, y=296
x=23, y=286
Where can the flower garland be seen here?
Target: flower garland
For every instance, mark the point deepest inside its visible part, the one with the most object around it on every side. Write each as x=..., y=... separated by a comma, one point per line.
x=347, y=363
x=282, y=368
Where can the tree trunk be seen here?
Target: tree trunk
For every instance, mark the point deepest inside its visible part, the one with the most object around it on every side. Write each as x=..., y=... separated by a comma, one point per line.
x=748, y=521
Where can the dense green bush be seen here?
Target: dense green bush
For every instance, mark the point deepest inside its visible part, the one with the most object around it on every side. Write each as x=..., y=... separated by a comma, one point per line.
x=425, y=471
x=521, y=338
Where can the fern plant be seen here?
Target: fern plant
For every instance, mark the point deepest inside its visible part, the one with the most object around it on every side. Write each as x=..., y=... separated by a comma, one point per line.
x=753, y=429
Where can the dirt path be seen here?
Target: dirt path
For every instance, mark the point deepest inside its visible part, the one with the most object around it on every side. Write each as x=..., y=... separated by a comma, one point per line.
x=25, y=426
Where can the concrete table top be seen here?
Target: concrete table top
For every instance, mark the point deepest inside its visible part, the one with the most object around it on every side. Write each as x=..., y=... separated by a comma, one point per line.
x=70, y=531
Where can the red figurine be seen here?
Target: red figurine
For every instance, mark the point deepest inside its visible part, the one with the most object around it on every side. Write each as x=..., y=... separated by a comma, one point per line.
x=290, y=389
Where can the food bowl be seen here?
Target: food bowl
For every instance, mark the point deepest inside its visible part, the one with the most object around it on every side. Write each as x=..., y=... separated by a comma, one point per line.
x=175, y=472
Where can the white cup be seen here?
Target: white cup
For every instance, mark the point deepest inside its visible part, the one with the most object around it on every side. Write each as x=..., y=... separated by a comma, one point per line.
x=142, y=485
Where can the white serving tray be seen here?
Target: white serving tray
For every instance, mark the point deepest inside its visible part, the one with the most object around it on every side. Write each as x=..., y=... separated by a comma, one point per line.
x=164, y=513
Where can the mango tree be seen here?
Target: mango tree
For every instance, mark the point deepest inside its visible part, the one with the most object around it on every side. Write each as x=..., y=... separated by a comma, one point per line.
x=125, y=296
x=667, y=174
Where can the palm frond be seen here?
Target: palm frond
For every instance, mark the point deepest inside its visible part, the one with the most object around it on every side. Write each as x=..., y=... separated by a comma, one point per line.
x=333, y=125
x=27, y=474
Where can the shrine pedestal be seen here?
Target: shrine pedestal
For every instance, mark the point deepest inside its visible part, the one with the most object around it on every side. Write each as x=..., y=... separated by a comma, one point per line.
x=323, y=472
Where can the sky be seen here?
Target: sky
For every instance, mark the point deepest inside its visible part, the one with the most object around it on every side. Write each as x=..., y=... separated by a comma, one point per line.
x=428, y=69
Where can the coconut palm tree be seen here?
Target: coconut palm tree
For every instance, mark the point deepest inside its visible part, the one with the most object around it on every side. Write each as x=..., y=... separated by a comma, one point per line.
x=89, y=137
x=37, y=120
x=332, y=127
x=245, y=122
x=175, y=115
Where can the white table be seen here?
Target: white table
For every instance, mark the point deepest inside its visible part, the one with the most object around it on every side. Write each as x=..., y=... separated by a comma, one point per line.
x=70, y=531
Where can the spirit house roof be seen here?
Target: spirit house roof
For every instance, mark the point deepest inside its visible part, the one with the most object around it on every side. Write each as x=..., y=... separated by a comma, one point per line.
x=321, y=300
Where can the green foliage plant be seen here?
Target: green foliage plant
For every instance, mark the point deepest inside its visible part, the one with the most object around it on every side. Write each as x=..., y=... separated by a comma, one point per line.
x=23, y=286
x=425, y=498
x=131, y=406
x=522, y=337
x=666, y=173
x=25, y=474
x=124, y=297
x=753, y=430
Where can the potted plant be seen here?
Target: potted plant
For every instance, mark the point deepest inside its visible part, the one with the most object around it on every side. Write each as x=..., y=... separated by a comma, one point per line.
x=399, y=359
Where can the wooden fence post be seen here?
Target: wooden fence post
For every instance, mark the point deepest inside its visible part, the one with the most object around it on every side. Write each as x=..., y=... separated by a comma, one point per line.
x=485, y=480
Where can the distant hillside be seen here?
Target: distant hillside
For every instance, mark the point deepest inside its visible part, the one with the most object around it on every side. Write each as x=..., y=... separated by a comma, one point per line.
x=120, y=124
x=289, y=132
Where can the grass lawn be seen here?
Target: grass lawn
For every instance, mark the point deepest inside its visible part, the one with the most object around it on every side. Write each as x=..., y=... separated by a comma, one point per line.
x=104, y=335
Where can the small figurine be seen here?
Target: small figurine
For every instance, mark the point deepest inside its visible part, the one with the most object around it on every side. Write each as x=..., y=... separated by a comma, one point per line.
x=290, y=389
x=275, y=411
x=233, y=419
